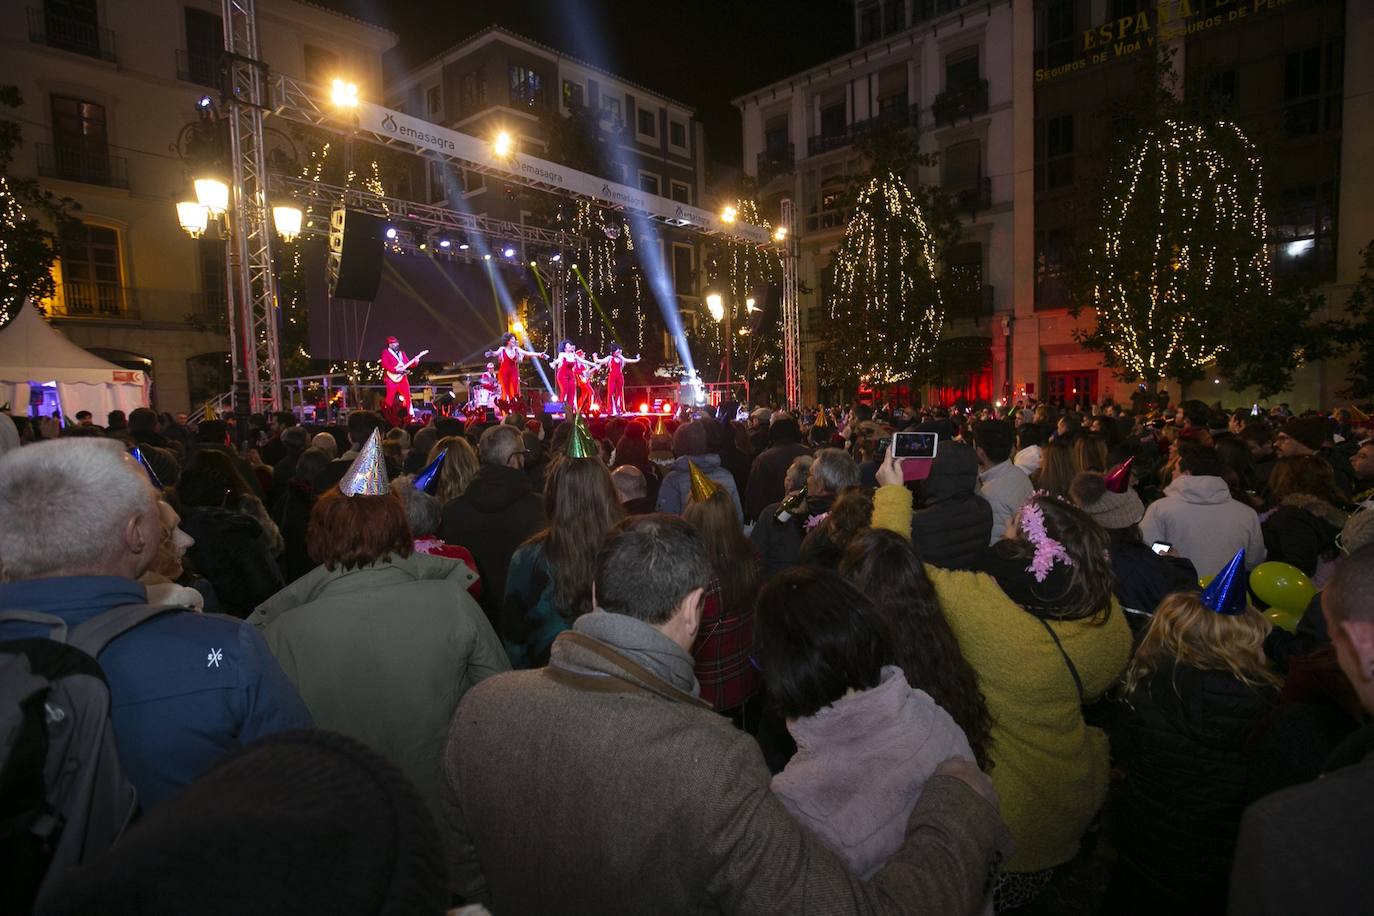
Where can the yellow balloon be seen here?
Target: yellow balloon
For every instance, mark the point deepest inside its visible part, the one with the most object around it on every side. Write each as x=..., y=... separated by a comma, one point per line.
x=1284, y=620
x=1205, y=581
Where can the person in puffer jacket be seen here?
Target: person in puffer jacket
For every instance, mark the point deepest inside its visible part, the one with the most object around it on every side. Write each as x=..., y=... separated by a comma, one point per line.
x=1200, y=519
x=1198, y=686
x=1302, y=526
x=952, y=524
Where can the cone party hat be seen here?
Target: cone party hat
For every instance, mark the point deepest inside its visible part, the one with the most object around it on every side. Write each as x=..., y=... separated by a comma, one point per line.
x=366, y=476
x=1119, y=478
x=1226, y=593
x=210, y=412
x=428, y=479
x=580, y=443
x=661, y=427
x=703, y=487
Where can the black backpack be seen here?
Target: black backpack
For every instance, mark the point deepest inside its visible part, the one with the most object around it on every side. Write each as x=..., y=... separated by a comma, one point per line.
x=64, y=797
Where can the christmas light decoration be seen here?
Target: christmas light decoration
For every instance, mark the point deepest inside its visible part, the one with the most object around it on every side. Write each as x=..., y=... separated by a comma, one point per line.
x=11, y=218
x=1180, y=253
x=884, y=302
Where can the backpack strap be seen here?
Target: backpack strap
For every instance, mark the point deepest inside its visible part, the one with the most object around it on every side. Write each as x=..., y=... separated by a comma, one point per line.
x=95, y=634
x=59, y=626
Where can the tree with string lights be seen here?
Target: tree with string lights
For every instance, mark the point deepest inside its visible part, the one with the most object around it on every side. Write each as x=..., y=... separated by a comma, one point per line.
x=884, y=298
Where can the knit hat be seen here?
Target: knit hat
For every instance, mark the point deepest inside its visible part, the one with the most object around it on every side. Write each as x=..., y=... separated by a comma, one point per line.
x=1310, y=431
x=689, y=440
x=303, y=822
x=1108, y=509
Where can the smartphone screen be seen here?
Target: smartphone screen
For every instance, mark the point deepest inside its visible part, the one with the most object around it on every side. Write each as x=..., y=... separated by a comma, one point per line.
x=1161, y=547
x=914, y=445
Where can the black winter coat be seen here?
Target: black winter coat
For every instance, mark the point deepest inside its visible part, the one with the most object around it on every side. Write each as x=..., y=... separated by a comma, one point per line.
x=496, y=514
x=1143, y=578
x=1181, y=743
x=952, y=528
x=1301, y=531
x=766, y=477
x=232, y=553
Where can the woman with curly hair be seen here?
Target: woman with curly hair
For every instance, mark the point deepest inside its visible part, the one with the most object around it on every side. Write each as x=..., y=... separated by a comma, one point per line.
x=1307, y=513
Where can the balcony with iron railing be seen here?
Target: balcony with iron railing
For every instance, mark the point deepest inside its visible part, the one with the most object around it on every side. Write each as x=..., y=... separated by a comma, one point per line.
x=83, y=165
x=199, y=68
x=71, y=34
x=961, y=102
x=91, y=299
x=974, y=197
x=894, y=118
x=965, y=299
x=775, y=161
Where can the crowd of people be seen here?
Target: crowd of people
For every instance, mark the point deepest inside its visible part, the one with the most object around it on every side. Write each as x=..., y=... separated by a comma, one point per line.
x=727, y=661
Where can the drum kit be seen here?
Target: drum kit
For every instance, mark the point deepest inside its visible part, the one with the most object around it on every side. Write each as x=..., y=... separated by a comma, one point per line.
x=482, y=396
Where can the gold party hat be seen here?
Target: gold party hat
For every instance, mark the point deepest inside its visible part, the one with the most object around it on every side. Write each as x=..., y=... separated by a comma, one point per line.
x=580, y=443
x=210, y=412
x=703, y=487
x=366, y=476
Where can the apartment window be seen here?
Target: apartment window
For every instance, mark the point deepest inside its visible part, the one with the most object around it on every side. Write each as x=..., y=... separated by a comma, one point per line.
x=526, y=87
x=572, y=94
x=81, y=149
x=1220, y=86
x=648, y=183
x=92, y=282
x=74, y=25
x=1312, y=89
x=433, y=102
x=961, y=68
x=474, y=90
x=1059, y=38
x=832, y=113
x=1054, y=153
x=321, y=66
x=775, y=134
x=610, y=110
x=684, y=270
x=204, y=48
x=892, y=97
x=437, y=186
x=870, y=23
x=677, y=134
x=894, y=16
x=963, y=165
x=963, y=280
x=680, y=191
x=1302, y=234
x=645, y=122
x=1052, y=249
x=212, y=276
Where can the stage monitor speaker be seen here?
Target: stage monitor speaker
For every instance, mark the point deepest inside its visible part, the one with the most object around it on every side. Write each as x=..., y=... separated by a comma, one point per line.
x=355, y=254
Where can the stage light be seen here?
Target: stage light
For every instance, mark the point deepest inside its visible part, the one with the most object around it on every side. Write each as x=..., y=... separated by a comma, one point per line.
x=486, y=257
x=343, y=94
x=728, y=215
x=509, y=252
x=534, y=264
x=463, y=246
x=424, y=246
x=574, y=267
x=204, y=102
x=391, y=232
x=516, y=327
x=193, y=217
x=445, y=243
x=779, y=233
x=502, y=145
x=556, y=258
x=212, y=194
x=644, y=408
x=287, y=219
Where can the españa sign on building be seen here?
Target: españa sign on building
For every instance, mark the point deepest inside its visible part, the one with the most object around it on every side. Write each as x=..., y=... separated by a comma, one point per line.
x=1169, y=20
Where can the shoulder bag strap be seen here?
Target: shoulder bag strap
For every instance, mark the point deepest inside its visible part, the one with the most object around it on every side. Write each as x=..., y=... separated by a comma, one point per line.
x=95, y=634
x=1073, y=669
x=59, y=626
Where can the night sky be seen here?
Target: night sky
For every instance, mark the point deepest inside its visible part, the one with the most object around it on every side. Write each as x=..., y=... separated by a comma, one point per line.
x=703, y=53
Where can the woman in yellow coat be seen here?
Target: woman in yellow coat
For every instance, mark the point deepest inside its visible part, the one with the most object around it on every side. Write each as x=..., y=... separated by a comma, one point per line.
x=1040, y=627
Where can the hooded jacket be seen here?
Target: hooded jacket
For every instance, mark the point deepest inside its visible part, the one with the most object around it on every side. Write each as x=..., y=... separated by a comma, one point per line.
x=1302, y=531
x=1198, y=516
x=676, y=488
x=766, y=476
x=384, y=652
x=953, y=527
x=496, y=514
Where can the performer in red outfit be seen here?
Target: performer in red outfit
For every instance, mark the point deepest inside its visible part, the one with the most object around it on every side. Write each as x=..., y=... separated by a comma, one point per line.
x=567, y=363
x=396, y=371
x=585, y=394
x=615, y=379
x=508, y=375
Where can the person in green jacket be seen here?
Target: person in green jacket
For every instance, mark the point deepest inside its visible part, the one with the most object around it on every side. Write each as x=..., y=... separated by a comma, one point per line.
x=381, y=642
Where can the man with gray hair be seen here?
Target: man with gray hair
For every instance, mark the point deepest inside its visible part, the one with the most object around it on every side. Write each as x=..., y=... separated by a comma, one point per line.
x=647, y=801
x=633, y=490
x=779, y=542
x=79, y=524
x=496, y=513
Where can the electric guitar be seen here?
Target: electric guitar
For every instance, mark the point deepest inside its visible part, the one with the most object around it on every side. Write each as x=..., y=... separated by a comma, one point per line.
x=404, y=368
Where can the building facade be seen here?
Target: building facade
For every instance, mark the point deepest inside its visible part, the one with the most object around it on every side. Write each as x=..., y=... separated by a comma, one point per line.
x=940, y=70
x=497, y=81
x=106, y=87
x=1031, y=87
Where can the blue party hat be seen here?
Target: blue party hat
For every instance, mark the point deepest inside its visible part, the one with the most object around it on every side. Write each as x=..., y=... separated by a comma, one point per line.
x=428, y=479
x=366, y=476
x=1226, y=592
x=142, y=459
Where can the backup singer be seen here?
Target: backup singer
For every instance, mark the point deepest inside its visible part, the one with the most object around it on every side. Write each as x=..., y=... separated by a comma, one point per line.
x=615, y=379
x=567, y=363
x=508, y=375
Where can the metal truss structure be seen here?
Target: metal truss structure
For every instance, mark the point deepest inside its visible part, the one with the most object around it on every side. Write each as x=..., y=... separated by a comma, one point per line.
x=791, y=307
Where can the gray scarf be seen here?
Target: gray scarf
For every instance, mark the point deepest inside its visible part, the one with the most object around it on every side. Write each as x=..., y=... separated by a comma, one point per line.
x=644, y=645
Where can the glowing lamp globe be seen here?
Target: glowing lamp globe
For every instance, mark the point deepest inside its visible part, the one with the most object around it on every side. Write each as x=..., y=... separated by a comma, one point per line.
x=287, y=219
x=193, y=217
x=212, y=194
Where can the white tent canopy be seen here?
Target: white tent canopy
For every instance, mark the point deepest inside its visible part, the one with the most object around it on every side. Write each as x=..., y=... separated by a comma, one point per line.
x=33, y=352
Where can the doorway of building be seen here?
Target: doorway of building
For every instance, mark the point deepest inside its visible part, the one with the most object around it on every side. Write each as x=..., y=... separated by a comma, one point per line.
x=1076, y=385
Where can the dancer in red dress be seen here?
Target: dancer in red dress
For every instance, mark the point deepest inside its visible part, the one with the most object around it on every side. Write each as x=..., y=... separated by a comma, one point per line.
x=508, y=375
x=567, y=363
x=396, y=372
x=615, y=379
x=585, y=394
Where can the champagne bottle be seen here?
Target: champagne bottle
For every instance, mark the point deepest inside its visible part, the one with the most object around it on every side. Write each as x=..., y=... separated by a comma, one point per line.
x=789, y=507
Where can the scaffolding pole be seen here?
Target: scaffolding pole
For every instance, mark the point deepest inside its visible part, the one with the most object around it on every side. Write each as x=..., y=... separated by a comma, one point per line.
x=791, y=308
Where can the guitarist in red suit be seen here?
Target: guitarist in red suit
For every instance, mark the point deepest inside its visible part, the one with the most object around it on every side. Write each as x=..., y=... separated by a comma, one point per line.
x=396, y=371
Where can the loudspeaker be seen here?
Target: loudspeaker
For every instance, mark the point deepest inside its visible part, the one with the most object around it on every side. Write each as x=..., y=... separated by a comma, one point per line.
x=355, y=254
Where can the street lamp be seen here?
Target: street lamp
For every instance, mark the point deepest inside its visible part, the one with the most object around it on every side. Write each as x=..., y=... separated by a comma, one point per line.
x=780, y=234
x=212, y=194
x=728, y=215
x=193, y=217
x=287, y=219
x=749, y=305
x=716, y=306
x=713, y=304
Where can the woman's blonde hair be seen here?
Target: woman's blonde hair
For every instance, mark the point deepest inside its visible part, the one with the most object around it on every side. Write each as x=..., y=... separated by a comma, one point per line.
x=460, y=466
x=1187, y=632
